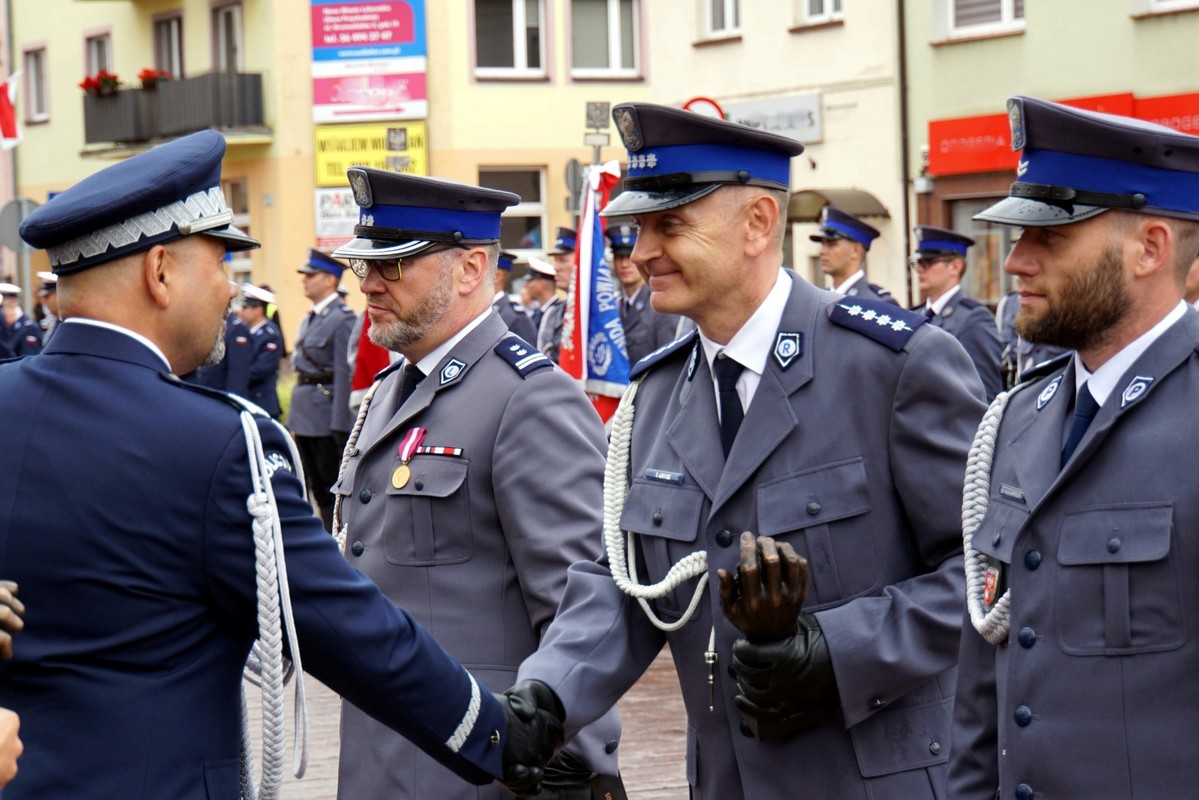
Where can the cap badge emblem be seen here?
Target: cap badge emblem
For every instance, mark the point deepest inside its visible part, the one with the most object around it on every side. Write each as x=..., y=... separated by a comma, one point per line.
x=630, y=130
x=361, y=187
x=1015, y=115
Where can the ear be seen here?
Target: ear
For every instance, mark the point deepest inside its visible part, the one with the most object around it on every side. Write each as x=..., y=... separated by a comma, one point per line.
x=1156, y=245
x=472, y=268
x=156, y=276
x=762, y=219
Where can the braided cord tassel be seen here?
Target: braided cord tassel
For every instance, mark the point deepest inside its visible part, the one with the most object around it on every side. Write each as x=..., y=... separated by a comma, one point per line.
x=340, y=530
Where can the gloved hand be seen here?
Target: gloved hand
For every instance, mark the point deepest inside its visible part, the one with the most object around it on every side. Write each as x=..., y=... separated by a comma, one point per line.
x=786, y=685
x=534, y=717
x=11, y=610
x=566, y=778
x=764, y=598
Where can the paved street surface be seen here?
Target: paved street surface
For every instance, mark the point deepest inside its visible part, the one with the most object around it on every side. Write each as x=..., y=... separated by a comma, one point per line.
x=652, y=746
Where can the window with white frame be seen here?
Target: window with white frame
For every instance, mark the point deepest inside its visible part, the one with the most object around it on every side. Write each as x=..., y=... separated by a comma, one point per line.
x=522, y=226
x=604, y=38
x=724, y=17
x=99, y=53
x=227, y=38
x=37, y=106
x=1162, y=6
x=980, y=17
x=814, y=12
x=508, y=38
x=168, y=45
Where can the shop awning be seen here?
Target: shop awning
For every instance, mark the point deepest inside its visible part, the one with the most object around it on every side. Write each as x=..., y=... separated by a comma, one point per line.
x=806, y=204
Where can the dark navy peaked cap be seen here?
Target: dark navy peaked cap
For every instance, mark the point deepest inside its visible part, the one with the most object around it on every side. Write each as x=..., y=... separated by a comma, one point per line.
x=506, y=261
x=1077, y=164
x=621, y=238
x=676, y=157
x=932, y=241
x=319, y=262
x=155, y=197
x=836, y=224
x=402, y=215
x=565, y=241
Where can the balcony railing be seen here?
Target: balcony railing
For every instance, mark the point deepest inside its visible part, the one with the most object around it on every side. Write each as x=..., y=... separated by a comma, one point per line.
x=226, y=101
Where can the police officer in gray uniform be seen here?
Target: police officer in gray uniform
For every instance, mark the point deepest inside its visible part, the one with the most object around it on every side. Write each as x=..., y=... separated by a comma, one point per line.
x=645, y=330
x=513, y=315
x=1081, y=645
x=940, y=262
x=844, y=242
x=732, y=429
x=449, y=500
x=319, y=414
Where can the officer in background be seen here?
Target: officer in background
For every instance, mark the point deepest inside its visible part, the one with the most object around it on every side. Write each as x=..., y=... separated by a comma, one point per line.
x=940, y=262
x=232, y=373
x=267, y=349
x=1020, y=356
x=645, y=330
x=453, y=505
x=551, y=311
x=1081, y=643
x=129, y=668
x=513, y=315
x=47, y=295
x=319, y=414
x=734, y=428
x=844, y=241
x=19, y=335
x=562, y=256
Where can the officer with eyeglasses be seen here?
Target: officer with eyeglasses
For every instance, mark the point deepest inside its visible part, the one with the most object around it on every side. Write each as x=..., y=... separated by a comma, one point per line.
x=940, y=262
x=474, y=478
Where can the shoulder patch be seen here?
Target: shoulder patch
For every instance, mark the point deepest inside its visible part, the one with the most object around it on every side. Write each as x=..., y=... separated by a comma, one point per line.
x=662, y=353
x=346, y=310
x=879, y=290
x=877, y=320
x=522, y=356
x=1046, y=368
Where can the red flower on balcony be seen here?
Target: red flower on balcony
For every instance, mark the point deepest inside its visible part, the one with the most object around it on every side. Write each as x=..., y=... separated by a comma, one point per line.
x=102, y=83
x=150, y=77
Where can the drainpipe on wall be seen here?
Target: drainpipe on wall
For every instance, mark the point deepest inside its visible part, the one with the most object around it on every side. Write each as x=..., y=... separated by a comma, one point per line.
x=904, y=159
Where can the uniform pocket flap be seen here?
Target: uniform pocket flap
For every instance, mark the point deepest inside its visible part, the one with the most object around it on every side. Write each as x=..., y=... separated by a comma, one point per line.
x=1123, y=534
x=430, y=476
x=900, y=739
x=346, y=484
x=813, y=497
x=996, y=535
x=665, y=510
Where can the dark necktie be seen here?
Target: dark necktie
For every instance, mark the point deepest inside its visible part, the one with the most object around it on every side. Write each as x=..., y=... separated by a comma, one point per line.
x=1084, y=411
x=929, y=313
x=410, y=378
x=727, y=371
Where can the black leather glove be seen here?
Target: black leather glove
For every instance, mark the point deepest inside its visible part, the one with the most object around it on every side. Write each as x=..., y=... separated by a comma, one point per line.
x=534, y=717
x=11, y=610
x=566, y=778
x=786, y=685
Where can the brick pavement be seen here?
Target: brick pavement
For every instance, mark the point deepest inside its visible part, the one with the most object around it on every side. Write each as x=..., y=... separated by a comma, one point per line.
x=652, y=745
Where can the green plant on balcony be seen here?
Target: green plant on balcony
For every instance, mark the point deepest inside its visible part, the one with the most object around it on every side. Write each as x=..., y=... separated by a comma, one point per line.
x=101, y=84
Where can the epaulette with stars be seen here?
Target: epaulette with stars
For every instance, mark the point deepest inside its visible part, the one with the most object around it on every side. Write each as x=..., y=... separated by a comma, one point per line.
x=877, y=320
x=662, y=353
x=522, y=356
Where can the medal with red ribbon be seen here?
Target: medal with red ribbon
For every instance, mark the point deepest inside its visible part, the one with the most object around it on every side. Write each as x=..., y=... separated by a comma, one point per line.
x=408, y=447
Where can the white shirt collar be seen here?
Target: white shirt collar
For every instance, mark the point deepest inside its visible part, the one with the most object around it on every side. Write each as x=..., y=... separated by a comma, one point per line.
x=939, y=304
x=1102, y=381
x=850, y=281
x=499, y=295
x=319, y=307
x=118, y=329
x=631, y=299
x=429, y=362
x=752, y=344
x=258, y=327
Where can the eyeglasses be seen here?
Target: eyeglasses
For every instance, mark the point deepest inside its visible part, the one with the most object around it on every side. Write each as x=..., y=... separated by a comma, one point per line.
x=390, y=269
x=922, y=264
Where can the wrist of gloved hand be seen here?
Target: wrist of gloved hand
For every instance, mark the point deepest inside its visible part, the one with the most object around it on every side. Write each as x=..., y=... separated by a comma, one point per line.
x=788, y=684
x=566, y=778
x=533, y=715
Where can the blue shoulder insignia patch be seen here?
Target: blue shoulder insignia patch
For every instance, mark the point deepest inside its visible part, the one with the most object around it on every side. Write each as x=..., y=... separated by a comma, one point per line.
x=1045, y=368
x=662, y=353
x=877, y=320
x=522, y=356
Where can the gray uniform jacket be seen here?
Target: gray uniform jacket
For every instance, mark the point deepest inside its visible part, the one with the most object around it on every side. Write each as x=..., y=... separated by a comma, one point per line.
x=874, y=503
x=320, y=409
x=974, y=326
x=645, y=330
x=476, y=545
x=1094, y=694
x=515, y=318
x=871, y=291
x=549, y=329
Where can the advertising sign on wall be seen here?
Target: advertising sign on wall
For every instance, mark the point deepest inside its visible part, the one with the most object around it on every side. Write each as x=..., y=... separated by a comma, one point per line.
x=399, y=147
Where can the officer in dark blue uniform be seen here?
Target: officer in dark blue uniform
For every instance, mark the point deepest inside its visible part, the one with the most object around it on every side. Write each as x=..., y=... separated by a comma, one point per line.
x=844, y=241
x=21, y=335
x=138, y=509
x=232, y=374
x=513, y=315
x=940, y=262
x=268, y=349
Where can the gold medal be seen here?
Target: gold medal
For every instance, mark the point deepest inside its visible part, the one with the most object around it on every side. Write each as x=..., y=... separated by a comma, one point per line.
x=399, y=478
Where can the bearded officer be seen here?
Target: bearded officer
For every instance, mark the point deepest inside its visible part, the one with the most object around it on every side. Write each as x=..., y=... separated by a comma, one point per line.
x=728, y=430
x=1082, y=642
x=153, y=495
x=645, y=330
x=844, y=241
x=453, y=505
x=513, y=315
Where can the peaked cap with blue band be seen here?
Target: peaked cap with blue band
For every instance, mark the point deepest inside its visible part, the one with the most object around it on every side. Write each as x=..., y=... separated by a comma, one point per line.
x=932, y=241
x=1077, y=164
x=402, y=215
x=676, y=157
x=319, y=262
x=565, y=241
x=836, y=224
x=621, y=238
x=506, y=261
x=155, y=197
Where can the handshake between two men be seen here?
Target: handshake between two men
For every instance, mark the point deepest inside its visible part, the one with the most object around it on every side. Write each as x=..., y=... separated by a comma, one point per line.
x=782, y=666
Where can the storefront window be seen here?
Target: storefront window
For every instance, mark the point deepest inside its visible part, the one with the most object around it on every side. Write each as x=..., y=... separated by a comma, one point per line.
x=985, y=279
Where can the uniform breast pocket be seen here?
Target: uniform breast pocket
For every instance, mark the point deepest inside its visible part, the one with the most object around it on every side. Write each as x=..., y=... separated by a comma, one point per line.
x=821, y=512
x=428, y=520
x=668, y=518
x=1116, y=591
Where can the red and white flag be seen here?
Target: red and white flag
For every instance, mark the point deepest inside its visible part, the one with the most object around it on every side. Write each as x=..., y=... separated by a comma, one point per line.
x=10, y=131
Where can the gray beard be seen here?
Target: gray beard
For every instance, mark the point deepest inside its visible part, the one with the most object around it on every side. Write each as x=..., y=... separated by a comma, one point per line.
x=217, y=353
